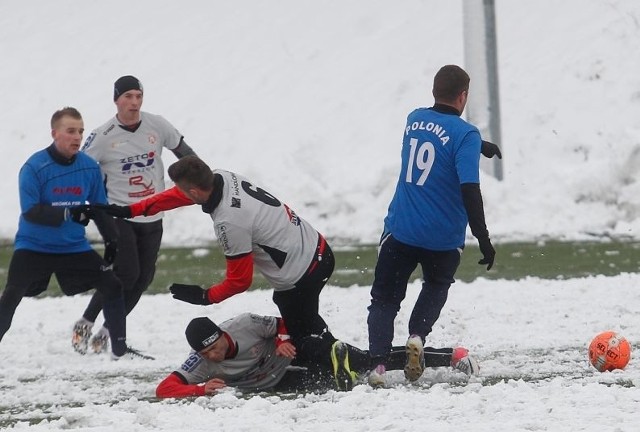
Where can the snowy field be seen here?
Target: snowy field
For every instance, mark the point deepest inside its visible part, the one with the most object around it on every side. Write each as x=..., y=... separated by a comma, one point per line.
x=530, y=337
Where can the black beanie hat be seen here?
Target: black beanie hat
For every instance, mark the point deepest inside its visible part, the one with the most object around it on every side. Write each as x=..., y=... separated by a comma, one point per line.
x=202, y=332
x=124, y=84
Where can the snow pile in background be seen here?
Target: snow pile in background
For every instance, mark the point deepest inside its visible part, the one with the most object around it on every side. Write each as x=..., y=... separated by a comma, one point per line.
x=309, y=100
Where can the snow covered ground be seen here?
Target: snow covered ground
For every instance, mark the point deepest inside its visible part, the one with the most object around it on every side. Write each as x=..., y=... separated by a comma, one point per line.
x=309, y=99
x=530, y=336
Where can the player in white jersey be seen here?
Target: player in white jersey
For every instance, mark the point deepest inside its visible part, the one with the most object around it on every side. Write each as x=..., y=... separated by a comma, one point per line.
x=253, y=353
x=128, y=149
x=254, y=228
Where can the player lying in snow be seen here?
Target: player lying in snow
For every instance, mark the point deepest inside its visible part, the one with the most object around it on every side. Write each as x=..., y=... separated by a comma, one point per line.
x=252, y=353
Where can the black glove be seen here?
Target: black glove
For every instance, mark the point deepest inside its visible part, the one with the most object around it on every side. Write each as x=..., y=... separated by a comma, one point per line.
x=488, y=253
x=490, y=150
x=81, y=214
x=190, y=293
x=123, y=212
x=110, y=251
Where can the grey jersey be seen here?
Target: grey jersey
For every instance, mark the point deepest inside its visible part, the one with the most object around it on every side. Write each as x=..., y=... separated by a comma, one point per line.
x=255, y=366
x=131, y=162
x=249, y=219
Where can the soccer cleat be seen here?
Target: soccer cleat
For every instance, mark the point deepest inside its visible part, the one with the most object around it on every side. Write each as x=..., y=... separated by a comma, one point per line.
x=342, y=373
x=132, y=354
x=80, y=336
x=415, y=358
x=100, y=341
x=377, y=376
x=462, y=361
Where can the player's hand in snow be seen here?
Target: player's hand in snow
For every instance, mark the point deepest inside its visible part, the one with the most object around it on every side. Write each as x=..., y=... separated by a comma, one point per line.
x=214, y=384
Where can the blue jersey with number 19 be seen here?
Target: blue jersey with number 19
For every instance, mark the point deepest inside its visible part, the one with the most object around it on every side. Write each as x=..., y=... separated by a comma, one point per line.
x=440, y=151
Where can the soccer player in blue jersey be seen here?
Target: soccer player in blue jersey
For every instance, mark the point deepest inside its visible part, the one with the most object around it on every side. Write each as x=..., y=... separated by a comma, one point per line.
x=55, y=185
x=437, y=195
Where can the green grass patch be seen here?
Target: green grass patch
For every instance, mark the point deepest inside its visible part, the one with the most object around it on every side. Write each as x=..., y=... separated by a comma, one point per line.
x=355, y=265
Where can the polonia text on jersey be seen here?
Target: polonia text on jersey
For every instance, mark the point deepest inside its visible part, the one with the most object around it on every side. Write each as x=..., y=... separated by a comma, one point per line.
x=432, y=127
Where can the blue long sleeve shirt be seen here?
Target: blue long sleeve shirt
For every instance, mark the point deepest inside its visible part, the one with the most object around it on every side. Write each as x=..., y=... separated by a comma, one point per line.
x=47, y=179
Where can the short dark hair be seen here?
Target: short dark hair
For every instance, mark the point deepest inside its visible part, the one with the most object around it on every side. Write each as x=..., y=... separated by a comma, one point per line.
x=191, y=170
x=66, y=111
x=449, y=82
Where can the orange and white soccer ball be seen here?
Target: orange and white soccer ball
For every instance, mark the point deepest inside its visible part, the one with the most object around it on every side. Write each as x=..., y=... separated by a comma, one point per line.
x=609, y=351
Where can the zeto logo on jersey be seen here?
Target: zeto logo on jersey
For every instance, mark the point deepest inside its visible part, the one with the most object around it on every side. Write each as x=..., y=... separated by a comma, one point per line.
x=138, y=162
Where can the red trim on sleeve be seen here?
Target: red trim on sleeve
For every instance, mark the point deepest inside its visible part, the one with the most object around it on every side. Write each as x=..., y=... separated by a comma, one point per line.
x=282, y=335
x=238, y=279
x=168, y=200
x=282, y=328
x=173, y=387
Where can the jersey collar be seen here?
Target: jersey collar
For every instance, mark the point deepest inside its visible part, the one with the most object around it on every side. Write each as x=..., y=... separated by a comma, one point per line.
x=233, y=347
x=445, y=109
x=216, y=195
x=58, y=158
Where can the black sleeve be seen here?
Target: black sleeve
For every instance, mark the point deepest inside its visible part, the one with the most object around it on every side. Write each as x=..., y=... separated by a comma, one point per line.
x=43, y=214
x=183, y=150
x=106, y=225
x=472, y=199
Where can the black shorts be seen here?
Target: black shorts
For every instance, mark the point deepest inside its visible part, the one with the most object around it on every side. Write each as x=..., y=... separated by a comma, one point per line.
x=31, y=272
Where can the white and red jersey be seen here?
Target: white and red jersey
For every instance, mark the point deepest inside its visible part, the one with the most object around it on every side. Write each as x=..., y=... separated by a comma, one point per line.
x=131, y=162
x=253, y=366
x=253, y=228
x=250, y=220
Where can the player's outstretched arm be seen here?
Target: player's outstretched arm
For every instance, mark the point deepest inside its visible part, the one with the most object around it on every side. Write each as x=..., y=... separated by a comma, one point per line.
x=176, y=386
x=168, y=200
